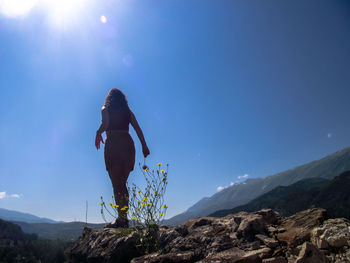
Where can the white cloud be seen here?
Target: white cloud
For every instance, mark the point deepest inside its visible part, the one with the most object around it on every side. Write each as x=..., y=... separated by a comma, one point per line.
x=5, y=195
x=220, y=188
x=243, y=176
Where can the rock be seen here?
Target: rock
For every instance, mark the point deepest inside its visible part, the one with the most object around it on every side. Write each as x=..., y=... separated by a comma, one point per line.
x=268, y=241
x=309, y=253
x=106, y=245
x=233, y=255
x=261, y=253
x=275, y=260
x=334, y=233
x=297, y=228
x=192, y=224
x=251, y=225
x=270, y=216
x=169, y=258
x=242, y=238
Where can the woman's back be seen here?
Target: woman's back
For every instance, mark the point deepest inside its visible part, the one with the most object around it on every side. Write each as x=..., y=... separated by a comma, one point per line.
x=118, y=119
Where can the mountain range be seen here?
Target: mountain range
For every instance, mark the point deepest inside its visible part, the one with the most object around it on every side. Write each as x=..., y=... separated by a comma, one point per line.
x=44, y=227
x=240, y=194
x=11, y=215
x=334, y=196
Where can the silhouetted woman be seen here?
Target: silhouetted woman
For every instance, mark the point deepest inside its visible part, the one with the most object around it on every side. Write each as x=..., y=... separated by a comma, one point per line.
x=119, y=149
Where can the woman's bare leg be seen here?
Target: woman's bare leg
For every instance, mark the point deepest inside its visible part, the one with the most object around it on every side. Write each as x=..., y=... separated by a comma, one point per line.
x=119, y=177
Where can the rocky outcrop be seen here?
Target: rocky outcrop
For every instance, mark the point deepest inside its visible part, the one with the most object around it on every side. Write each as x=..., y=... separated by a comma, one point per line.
x=262, y=236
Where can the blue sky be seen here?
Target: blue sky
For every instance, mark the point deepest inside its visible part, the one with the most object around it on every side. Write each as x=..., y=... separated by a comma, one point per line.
x=223, y=90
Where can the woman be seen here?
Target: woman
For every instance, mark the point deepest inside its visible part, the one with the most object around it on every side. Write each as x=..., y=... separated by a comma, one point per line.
x=119, y=149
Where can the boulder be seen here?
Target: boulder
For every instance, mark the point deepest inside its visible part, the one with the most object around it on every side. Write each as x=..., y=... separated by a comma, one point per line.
x=296, y=229
x=271, y=217
x=309, y=253
x=275, y=260
x=106, y=245
x=233, y=255
x=334, y=233
x=251, y=225
x=169, y=258
x=268, y=241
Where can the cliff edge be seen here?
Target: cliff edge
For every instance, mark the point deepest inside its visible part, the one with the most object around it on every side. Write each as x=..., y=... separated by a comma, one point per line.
x=263, y=236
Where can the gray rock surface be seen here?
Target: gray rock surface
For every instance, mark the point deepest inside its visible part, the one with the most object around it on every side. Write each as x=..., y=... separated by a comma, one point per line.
x=257, y=237
x=334, y=233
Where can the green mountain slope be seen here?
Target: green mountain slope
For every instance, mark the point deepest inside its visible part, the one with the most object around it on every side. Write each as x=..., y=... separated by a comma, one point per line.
x=335, y=197
x=332, y=195
x=241, y=194
x=16, y=246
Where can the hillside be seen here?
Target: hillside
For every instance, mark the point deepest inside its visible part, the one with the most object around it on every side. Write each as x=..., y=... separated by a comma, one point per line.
x=16, y=246
x=332, y=195
x=63, y=231
x=11, y=215
x=241, y=194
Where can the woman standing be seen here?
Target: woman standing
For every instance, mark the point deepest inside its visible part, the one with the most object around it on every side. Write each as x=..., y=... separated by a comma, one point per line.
x=119, y=149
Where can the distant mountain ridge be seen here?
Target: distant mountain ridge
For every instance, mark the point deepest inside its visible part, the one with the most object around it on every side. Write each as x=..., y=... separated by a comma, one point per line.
x=11, y=215
x=240, y=194
x=334, y=196
x=62, y=231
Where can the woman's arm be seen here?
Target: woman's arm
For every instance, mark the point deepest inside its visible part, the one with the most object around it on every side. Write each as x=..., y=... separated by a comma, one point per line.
x=103, y=127
x=139, y=133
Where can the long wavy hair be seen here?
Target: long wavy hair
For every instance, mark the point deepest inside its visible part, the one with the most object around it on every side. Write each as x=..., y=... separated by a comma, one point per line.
x=116, y=99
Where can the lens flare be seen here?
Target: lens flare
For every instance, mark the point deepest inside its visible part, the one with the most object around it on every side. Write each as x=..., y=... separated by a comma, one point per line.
x=103, y=19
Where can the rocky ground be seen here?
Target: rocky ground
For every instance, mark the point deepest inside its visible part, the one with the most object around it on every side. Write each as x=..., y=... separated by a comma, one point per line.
x=263, y=236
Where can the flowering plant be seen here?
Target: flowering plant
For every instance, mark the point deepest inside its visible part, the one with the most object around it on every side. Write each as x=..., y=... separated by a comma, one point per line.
x=147, y=205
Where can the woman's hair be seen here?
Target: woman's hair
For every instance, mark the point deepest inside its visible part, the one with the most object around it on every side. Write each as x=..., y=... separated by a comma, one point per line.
x=116, y=99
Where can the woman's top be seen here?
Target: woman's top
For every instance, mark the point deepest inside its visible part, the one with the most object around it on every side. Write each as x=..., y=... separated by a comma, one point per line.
x=116, y=119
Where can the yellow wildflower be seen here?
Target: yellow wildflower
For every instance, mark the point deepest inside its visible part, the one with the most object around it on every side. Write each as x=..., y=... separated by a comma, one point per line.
x=127, y=212
x=149, y=186
x=164, y=178
x=115, y=206
x=149, y=204
x=159, y=164
x=146, y=170
x=102, y=203
x=124, y=208
x=143, y=205
x=111, y=204
x=139, y=191
x=134, y=218
x=165, y=206
x=161, y=214
x=137, y=209
x=162, y=171
x=145, y=199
